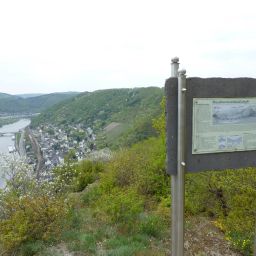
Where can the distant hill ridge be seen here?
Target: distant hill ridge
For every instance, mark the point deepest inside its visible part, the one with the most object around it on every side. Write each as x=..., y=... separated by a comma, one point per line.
x=7, y=96
x=25, y=103
x=133, y=110
x=29, y=95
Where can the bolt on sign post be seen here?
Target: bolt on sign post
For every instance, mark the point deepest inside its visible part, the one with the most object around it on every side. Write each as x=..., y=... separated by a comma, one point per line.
x=211, y=125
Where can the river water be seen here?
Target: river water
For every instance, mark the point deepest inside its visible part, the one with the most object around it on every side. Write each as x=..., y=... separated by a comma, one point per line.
x=6, y=139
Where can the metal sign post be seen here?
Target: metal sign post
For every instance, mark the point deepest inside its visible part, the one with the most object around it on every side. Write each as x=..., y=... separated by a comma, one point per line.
x=174, y=73
x=177, y=185
x=181, y=160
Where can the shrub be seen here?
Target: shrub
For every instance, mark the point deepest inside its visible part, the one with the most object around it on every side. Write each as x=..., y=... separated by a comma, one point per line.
x=229, y=196
x=30, y=218
x=29, y=211
x=122, y=245
x=63, y=177
x=86, y=173
x=141, y=167
x=121, y=206
x=152, y=225
x=241, y=241
x=31, y=248
x=91, y=196
x=75, y=176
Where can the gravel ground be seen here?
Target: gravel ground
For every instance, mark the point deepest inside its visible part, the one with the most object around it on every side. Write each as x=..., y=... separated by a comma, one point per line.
x=202, y=238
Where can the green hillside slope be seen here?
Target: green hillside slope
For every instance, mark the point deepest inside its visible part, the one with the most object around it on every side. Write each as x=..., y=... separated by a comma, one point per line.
x=7, y=96
x=112, y=113
x=15, y=104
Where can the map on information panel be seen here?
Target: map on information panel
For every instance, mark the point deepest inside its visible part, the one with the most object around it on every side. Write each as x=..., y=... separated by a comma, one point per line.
x=223, y=125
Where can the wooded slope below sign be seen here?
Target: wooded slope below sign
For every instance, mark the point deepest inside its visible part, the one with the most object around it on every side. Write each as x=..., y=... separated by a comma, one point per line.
x=220, y=123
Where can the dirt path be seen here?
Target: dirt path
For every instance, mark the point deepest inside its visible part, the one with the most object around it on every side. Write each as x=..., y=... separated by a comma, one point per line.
x=203, y=238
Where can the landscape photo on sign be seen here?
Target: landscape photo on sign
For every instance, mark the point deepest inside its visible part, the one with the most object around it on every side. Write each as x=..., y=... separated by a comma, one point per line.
x=239, y=112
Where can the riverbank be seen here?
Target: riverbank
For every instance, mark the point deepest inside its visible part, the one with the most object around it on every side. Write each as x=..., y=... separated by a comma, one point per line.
x=7, y=140
x=17, y=141
x=8, y=120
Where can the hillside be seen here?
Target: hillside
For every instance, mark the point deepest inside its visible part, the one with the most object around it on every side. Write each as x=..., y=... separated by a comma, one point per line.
x=113, y=114
x=17, y=104
x=29, y=95
x=122, y=207
x=4, y=96
x=121, y=204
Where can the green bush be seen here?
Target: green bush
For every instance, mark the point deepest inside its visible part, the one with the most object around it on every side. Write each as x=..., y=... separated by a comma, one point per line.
x=75, y=176
x=121, y=206
x=152, y=225
x=91, y=196
x=238, y=220
x=63, y=177
x=30, y=218
x=32, y=248
x=198, y=198
x=122, y=245
x=88, y=242
x=86, y=173
x=142, y=167
x=29, y=211
x=241, y=241
x=229, y=196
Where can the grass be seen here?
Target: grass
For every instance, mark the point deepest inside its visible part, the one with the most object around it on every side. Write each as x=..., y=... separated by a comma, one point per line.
x=106, y=138
x=84, y=233
x=89, y=233
x=31, y=248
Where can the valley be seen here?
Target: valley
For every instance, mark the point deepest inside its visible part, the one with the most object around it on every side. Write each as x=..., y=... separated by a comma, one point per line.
x=81, y=124
x=96, y=184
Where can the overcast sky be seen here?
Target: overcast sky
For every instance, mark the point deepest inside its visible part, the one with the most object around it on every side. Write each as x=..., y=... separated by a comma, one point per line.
x=85, y=45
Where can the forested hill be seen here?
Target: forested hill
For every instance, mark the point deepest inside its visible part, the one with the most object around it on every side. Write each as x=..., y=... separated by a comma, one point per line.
x=5, y=96
x=109, y=112
x=18, y=104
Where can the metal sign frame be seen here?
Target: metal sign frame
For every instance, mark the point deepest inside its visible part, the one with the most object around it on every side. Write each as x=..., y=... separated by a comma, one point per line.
x=205, y=88
x=180, y=93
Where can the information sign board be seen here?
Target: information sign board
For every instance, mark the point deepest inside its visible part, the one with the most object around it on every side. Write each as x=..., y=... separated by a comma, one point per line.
x=223, y=125
x=220, y=123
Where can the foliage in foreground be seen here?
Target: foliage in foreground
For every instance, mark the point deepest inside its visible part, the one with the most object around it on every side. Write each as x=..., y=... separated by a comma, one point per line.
x=74, y=176
x=132, y=198
x=124, y=213
x=29, y=211
x=123, y=207
x=228, y=196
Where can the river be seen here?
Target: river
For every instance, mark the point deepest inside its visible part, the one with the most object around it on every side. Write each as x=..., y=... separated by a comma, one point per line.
x=6, y=139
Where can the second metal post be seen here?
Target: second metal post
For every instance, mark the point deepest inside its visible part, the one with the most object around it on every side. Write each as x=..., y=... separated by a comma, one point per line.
x=181, y=160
